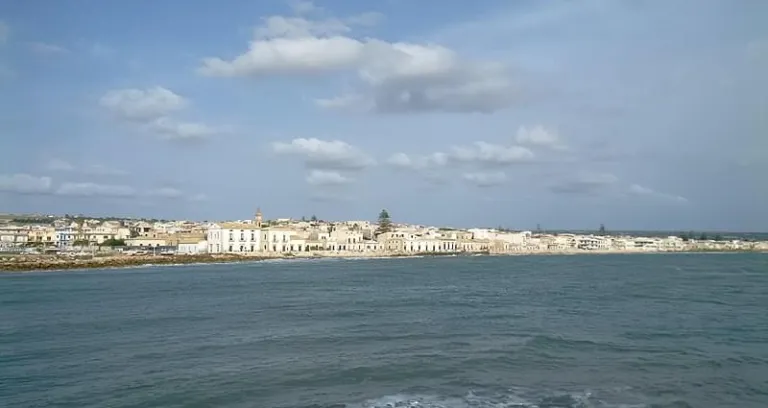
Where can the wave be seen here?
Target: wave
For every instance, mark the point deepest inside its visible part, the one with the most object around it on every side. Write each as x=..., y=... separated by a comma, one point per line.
x=509, y=399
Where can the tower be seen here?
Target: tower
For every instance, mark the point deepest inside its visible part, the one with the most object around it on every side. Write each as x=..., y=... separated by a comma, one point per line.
x=258, y=218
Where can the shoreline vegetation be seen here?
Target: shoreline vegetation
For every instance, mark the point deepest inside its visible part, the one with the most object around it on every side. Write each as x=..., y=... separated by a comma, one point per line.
x=41, y=263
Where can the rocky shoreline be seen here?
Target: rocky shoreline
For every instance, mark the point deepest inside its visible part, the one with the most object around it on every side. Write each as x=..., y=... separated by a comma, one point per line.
x=25, y=263
x=40, y=263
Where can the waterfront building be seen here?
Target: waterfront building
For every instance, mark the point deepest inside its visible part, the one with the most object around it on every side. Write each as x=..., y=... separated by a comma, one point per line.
x=65, y=236
x=237, y=237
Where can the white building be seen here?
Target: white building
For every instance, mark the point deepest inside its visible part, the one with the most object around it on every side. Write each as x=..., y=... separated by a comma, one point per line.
x=592, y=243
x=13, y=236
x=65, y=237
x=236, y=237
x=190, y=246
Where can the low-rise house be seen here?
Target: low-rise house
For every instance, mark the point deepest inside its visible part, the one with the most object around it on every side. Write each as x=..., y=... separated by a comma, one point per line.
x=392, y=242
x=14, y=236
x=647, y=243
x=191, y=245
x=65, y=236
x=592, y=243
x=42, y=236
x=672, y=243
x=146, y=242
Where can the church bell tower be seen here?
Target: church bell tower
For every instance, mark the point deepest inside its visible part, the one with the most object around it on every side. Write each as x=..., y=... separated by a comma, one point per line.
x=258, y=218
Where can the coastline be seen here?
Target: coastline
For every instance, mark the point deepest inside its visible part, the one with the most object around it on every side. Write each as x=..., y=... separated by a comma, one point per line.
x=39, y=263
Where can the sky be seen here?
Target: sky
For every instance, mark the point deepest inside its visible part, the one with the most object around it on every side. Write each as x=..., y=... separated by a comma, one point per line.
x=553, y=113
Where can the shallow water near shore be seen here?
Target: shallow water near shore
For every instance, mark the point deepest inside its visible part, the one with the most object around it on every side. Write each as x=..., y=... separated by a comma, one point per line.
x=664, y=330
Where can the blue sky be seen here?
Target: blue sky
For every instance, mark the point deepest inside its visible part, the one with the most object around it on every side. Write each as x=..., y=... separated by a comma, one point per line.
x=635, y=114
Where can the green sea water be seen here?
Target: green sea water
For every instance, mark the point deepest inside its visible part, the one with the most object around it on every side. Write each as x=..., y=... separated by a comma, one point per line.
x=666, y=330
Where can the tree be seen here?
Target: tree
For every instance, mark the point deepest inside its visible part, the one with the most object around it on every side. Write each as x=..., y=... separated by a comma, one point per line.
x=602, y=229
x=718, y=237
x=385, y=223
x=113, y=242
x=303, y=218
x=313, y=218
x=703, y=236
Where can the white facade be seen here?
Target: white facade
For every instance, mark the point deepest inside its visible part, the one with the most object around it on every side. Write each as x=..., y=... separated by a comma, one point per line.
x=65, y=237
x=192, y=248
x=233, y=238
x=594, y=243
x=13, y=236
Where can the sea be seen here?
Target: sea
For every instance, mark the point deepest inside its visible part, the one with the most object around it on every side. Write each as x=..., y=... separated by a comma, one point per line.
x=630, y=331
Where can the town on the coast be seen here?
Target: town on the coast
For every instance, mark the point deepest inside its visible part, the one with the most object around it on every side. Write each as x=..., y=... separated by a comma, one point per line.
x=73, y=236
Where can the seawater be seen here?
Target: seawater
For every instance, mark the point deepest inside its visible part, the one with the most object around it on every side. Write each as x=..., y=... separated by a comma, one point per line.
x=671, y=330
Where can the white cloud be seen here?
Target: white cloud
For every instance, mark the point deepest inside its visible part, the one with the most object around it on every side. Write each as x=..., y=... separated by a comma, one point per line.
x=5, y=32
x=476, y=155
x=491, y=154
x=199, y=197
x=404, y=77
x=170, y=129
x=143, y=104
x=298, y=27
x=327, y=155
x=485, y=179
x=393, y=77
x=327, y=177
x=24, y=184
x=418, y=162
x=639, y=190
x=539, y=136
x=95, y=190
x=48, y=49
x=151, y=108
x=282, y=56
x=92, y=169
